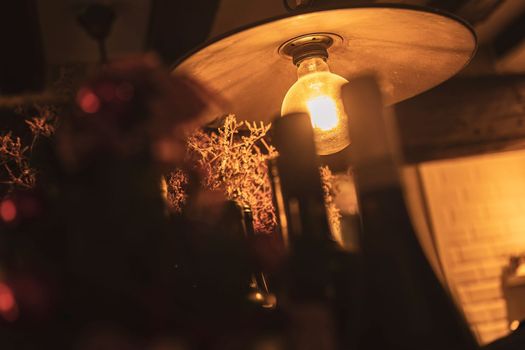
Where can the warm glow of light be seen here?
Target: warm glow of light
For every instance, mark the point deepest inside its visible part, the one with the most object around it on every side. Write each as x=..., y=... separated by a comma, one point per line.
x=7, y=300
x=7, y=210
x=520, y=271
x=88, y=101
x=514, y=325
x=476, y=209
x=317, y=92
x=323, y=113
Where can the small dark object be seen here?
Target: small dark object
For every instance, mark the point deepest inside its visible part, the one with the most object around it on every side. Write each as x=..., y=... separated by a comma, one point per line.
x=97, y=20
x=294, y=5
x=513, y=341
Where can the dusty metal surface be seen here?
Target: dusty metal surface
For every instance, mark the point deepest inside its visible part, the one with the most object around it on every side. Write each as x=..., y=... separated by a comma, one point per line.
x=409, y=49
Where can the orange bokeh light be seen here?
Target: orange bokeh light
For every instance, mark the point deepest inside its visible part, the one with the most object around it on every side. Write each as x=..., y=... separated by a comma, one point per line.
x=7, y=210
x=8, y=307
x=7, y=299
x=88, y=101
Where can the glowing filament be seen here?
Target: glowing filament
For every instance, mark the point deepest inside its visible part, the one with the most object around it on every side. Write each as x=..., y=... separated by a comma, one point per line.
x=323, y=113
x=317, y=92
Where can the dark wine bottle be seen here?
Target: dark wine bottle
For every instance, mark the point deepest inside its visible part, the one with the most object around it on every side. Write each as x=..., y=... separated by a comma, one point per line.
x=259, y=289
x=406, y=305
x=318, y=298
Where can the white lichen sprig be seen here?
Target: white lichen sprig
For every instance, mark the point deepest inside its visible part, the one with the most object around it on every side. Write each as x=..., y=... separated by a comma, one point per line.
x=332, y=210
x=15, y=163
x=236, y=165
x=176, y=193
x=15, y=157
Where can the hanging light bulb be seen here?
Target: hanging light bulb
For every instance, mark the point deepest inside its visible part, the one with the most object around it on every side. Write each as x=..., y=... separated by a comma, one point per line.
x=317, y=92
x=250, y=67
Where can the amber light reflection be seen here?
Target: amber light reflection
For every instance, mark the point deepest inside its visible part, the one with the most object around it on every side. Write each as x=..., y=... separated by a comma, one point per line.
x=317, y=92
x=8, y=308
x=323, y=113
x=7, y=210
x=476, y=207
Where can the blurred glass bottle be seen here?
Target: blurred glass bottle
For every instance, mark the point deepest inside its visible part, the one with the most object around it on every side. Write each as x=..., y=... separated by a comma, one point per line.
x=406, y=305
x=321, y=278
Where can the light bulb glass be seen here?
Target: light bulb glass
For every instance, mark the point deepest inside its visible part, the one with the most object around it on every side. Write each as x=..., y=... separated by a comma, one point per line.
x=317, y=92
